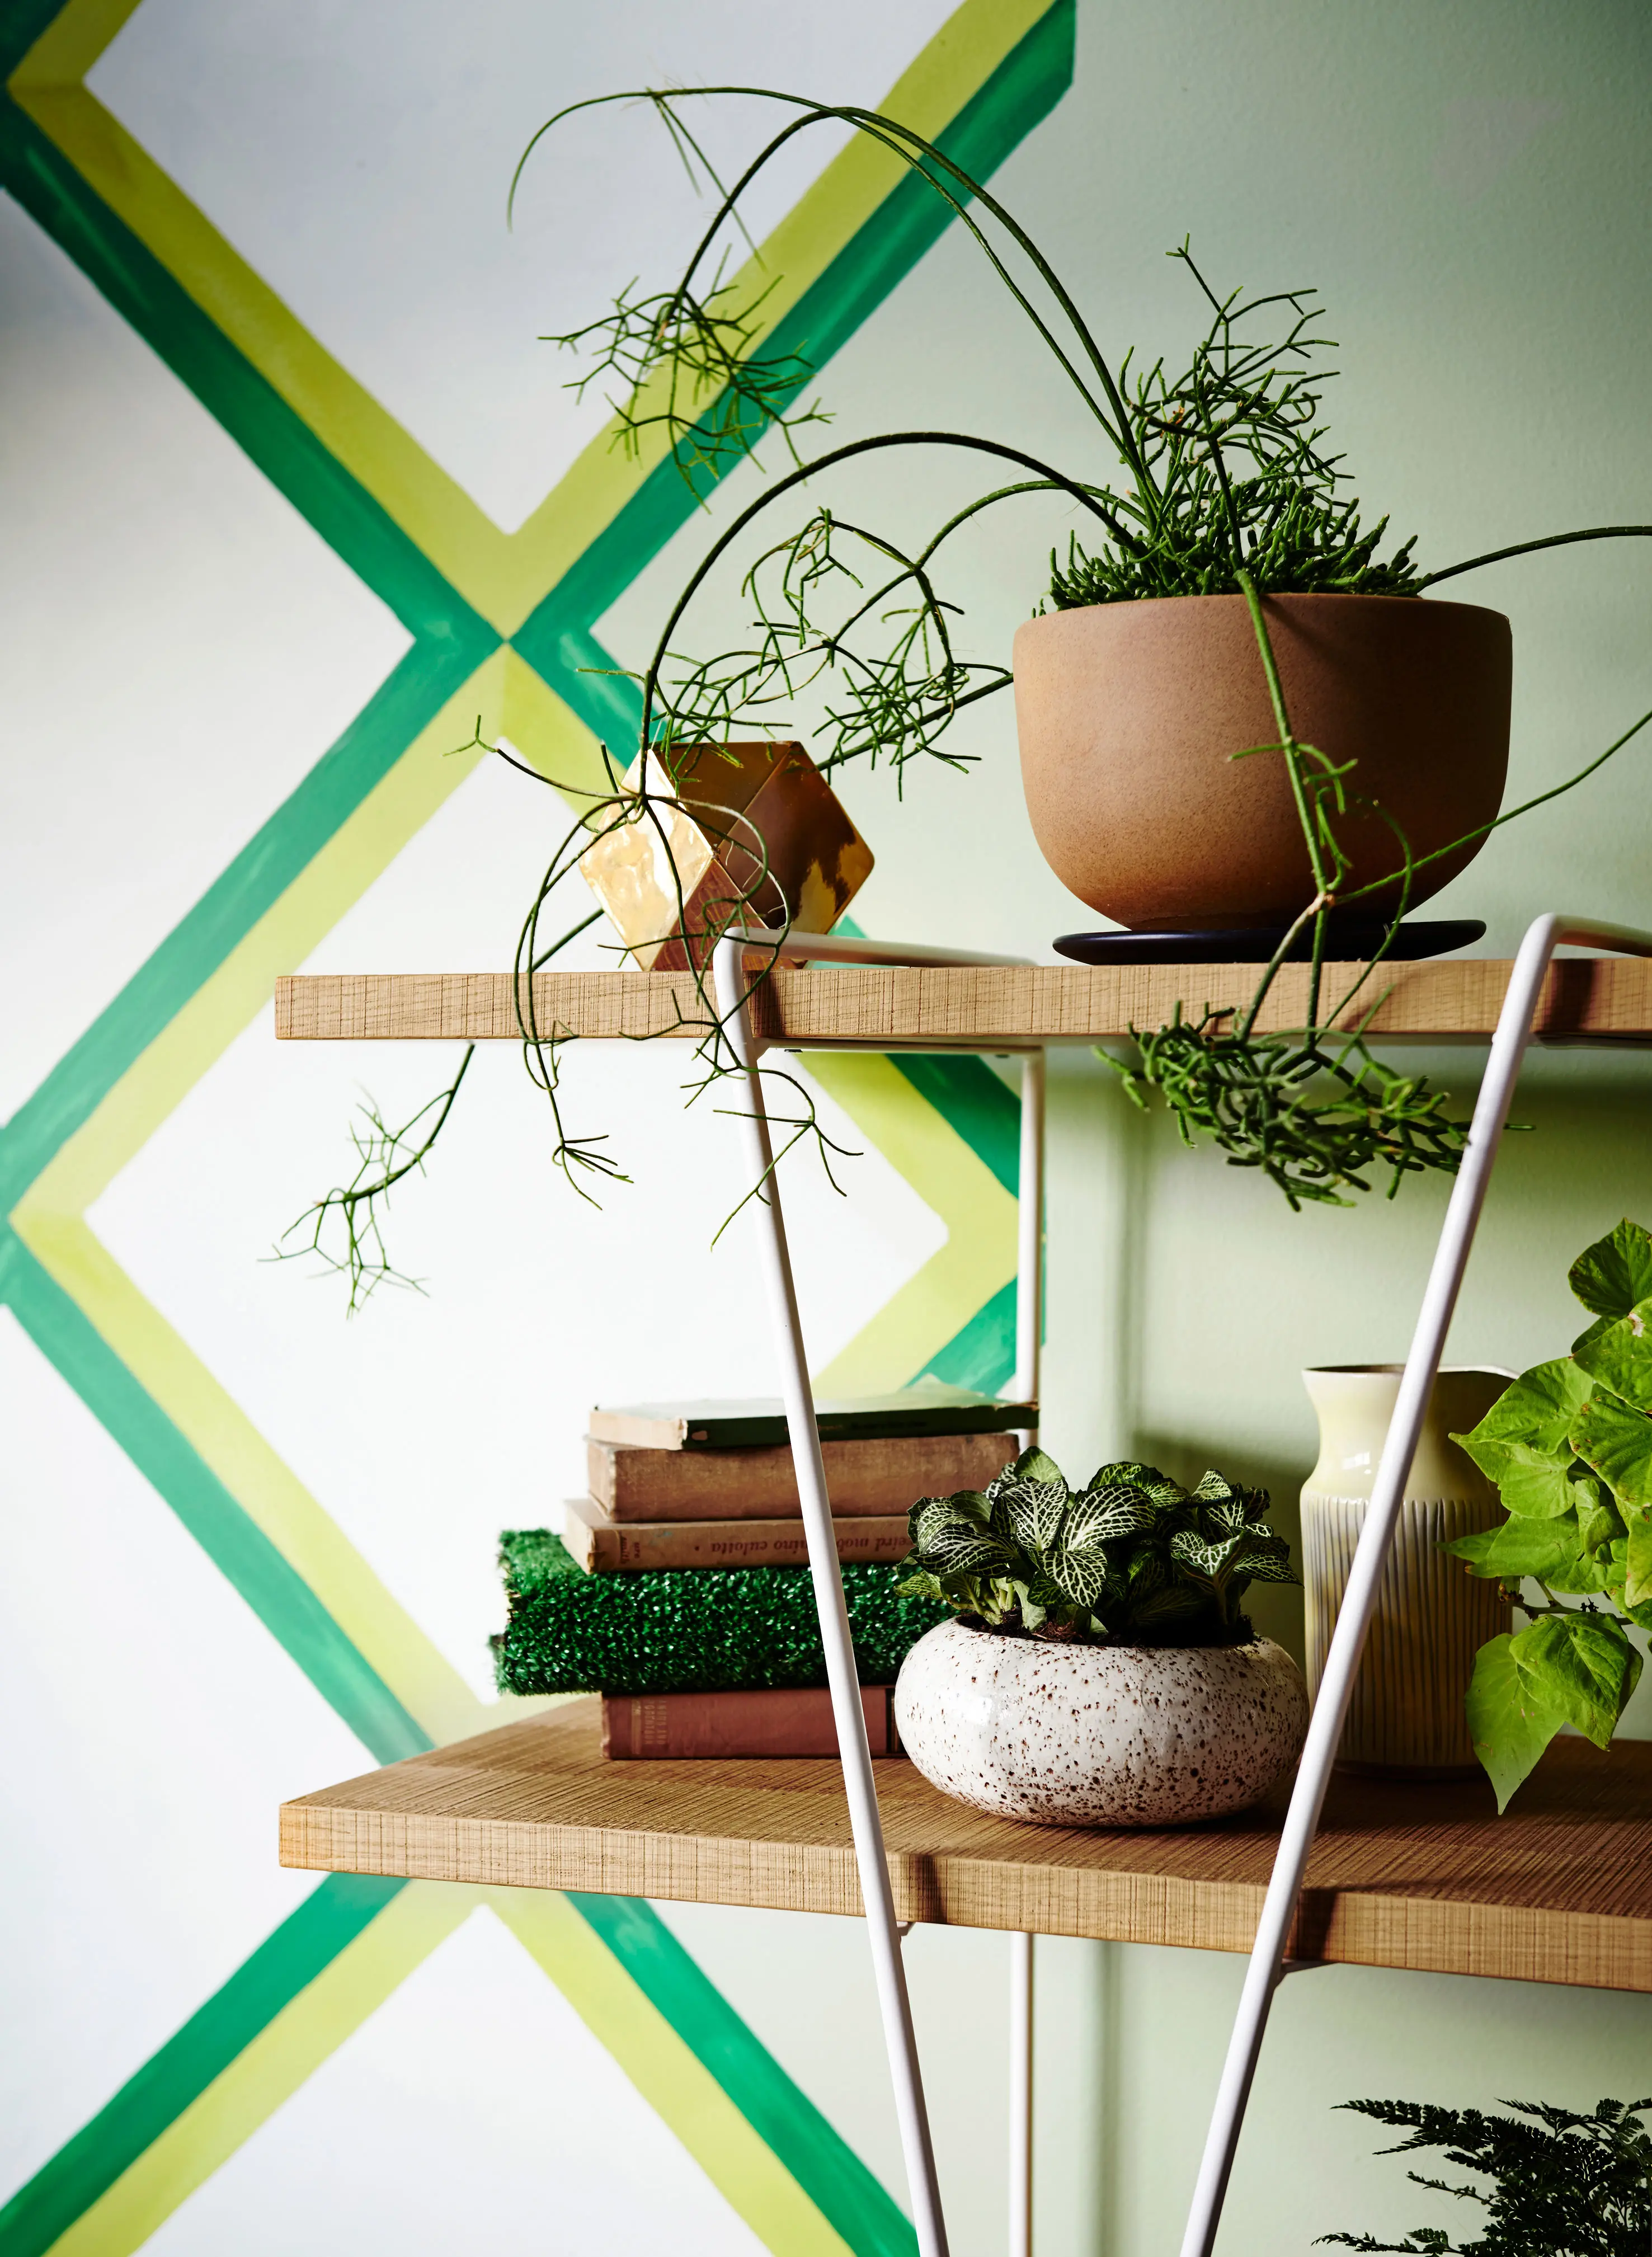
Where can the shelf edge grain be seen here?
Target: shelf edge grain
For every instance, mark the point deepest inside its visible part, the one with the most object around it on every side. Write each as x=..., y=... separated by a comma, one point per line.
x=1588, y=1000
x=1352, y=1926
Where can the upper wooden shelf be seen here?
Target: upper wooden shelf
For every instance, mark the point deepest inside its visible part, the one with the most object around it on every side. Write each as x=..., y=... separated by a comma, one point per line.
x=1403, y=1874
x=1585, y=999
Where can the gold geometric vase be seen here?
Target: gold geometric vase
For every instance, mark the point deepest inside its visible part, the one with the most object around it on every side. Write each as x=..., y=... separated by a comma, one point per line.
x=1432, y=1615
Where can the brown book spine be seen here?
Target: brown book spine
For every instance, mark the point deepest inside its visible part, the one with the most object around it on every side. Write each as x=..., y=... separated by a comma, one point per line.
x=863, y=1479
x=607, y=1547
x=692, y=1725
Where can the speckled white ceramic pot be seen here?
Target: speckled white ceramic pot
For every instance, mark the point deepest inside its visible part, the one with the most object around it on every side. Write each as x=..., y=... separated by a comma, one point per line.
x=1069, y=1735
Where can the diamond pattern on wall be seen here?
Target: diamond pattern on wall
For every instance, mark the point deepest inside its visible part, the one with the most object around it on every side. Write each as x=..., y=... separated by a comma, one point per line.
x=499, y=624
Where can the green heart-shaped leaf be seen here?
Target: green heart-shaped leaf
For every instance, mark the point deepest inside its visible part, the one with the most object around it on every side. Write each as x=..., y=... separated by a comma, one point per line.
x=1637, y=1589
x=1535, y=1413
x=1509, y=1722
x=1533, y=1484
x=1616, y=1439
x=1519, y=1548
x=1612, y=1275
x=1619, y=1357
x=1581, y=1663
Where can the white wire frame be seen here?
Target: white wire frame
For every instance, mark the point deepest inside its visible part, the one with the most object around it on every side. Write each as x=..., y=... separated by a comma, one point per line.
x=1268, y=1963
x=884, y=1932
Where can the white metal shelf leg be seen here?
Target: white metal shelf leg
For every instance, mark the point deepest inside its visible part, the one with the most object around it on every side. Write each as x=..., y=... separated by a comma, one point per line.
x=1029, y=1265
x=1030, y=1325
x=1021, y=2232
x=1353, y=1619
x=900, y=2040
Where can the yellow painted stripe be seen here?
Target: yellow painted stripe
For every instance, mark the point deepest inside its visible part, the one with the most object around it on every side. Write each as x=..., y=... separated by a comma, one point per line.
x=504, y=576
x=953, y=67
x=429, y=506
x=670, y=2077
x=50, y=1217
x=289, y=2049
x=979, y=1257
x=361, y=849
x=286, y=2052
x=511, y=700
x=550, y=734
x=73, y=41
x=420, y=1676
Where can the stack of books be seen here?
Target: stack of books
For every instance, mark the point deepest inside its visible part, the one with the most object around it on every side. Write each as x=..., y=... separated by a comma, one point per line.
x=683, y=1488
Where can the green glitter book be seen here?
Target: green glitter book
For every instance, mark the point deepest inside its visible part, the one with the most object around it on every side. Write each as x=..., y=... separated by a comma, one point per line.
x=687, y=1630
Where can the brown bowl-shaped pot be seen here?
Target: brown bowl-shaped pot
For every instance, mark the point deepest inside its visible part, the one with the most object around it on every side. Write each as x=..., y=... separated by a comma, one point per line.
x=1129, y=715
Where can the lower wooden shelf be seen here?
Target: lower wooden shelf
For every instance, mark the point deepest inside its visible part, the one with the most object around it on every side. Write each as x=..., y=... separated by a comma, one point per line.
x=1404, y=1874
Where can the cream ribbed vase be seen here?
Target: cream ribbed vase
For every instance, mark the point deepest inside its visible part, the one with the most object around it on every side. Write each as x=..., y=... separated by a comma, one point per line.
x=1432, y=1615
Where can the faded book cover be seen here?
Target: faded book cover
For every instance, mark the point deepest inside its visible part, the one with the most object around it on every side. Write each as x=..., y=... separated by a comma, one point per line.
x=926, y=1408
x=797, y=1721
x=886, y=1474
x=605, y=1547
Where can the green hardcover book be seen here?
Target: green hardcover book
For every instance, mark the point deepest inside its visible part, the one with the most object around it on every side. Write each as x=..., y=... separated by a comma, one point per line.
x=929, y=1408
x=693, y=1630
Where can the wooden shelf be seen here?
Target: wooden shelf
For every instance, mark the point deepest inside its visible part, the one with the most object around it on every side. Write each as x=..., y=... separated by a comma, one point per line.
x=972, y=1007
x=1403, y=1874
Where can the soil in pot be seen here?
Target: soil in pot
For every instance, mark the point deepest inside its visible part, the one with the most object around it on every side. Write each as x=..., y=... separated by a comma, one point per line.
x=1130, y=714
x=1066, y=1734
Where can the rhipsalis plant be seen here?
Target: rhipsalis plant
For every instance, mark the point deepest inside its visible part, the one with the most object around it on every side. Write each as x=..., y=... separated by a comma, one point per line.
x=1217, y=477
x=1559, y=2184
x=1569, y=1447
x=1132, y=1557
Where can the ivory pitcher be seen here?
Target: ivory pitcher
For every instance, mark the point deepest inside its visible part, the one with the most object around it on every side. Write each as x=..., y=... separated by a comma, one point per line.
x=1432, y=1617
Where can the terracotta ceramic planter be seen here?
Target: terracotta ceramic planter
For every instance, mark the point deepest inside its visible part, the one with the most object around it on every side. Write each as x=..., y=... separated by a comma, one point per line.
x=1070, y=1735
x=1128, y=715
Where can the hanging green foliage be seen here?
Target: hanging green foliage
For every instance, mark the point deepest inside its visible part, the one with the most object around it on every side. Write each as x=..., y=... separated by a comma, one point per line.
x=1217, y=478
x=1569, y=1447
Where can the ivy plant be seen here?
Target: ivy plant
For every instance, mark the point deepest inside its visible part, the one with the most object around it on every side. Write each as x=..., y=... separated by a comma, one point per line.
x=1569, y=1447
x=1561, y=2184
x=1132, y=1557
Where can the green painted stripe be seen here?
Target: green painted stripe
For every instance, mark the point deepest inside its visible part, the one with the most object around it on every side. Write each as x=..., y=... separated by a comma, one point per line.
x=969, y=1097
x=835, y=2181
x=275, y=1591
x=451, y=641
x=587, y=677
x=21, y=24
x=982, y=1355
x=1024, y=89
x=85, y=2168
x=279, y=852
x=42, y=179
x=1021, y=93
